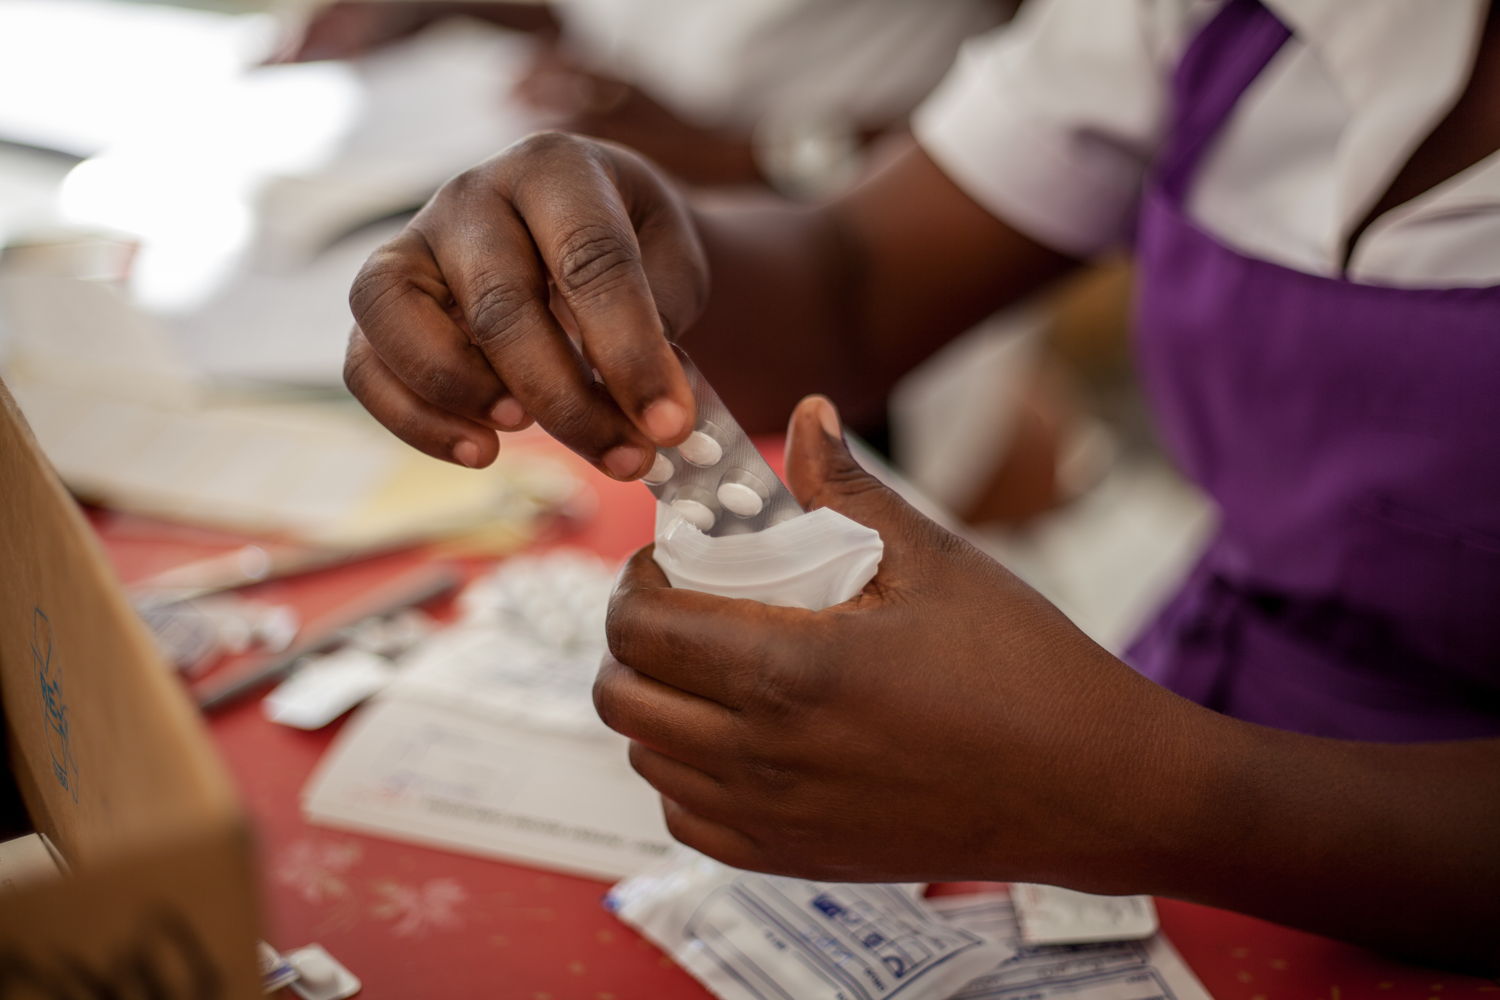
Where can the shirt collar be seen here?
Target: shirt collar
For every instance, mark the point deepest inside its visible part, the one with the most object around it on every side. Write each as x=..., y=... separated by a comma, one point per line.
x=1400, y=64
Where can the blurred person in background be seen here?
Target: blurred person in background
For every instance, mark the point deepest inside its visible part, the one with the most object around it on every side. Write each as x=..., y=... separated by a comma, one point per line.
x=1311, y=190
x=791, y=95
x=780, y=92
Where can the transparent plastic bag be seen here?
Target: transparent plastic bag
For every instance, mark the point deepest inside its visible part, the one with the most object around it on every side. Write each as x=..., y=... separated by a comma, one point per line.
x=812, y=560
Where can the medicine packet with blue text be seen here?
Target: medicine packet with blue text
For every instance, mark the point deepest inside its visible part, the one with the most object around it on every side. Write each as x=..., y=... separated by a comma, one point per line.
x=749, y=937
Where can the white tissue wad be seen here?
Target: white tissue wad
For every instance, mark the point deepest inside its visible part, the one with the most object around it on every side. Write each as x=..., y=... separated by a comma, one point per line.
x=812, y=561
x=749, y=937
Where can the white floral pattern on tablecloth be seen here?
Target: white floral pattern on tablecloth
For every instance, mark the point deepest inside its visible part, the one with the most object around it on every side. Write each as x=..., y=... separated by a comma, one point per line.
x=316, y=869
x=418, y=909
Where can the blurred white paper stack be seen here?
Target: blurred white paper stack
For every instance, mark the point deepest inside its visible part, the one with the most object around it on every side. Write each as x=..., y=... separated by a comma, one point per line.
x=128, y=424
x=487, y=741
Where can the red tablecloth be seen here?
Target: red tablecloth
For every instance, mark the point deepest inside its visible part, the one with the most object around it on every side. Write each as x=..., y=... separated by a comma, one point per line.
x=419, y=923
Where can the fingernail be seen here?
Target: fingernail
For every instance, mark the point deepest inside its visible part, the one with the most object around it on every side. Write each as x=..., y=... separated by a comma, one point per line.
x=828, y=417
x=665, y=419
x=508, y=412
x=467, y=452
x=624, y=461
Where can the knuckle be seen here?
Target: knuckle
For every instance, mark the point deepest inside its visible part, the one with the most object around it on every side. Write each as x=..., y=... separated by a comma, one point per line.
x=499, y=312
x=409, y=426
x=547, y=145
x=789, y=682
x=459, y=188
x=635, y=754
x=607, y=700
x=635, y=636
x=639, y=359
x=773, y=775
x=379, y=285
x=680, y=826
x=438, y=384
x=778, y=692
x=620, y=624
x=357, y=368
x=570, y=417
x=850, y=480
x=593, y=259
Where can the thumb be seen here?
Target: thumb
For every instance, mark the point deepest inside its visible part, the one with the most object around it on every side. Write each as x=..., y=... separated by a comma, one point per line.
x=821, y=472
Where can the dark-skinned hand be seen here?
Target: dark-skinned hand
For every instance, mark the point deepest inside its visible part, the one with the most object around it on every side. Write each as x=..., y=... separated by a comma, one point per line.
x=559, y=258
x=946, y=723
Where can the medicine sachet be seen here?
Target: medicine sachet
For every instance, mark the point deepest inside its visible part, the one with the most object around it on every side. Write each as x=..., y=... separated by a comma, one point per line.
x=748, y=937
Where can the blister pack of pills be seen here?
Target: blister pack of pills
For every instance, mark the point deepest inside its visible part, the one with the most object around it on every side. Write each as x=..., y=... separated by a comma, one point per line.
x=716, y=480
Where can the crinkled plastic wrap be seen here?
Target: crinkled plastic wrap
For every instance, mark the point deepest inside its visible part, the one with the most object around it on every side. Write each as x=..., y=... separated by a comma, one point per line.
x=748, y=937
x=727, y=525
x=812, y=561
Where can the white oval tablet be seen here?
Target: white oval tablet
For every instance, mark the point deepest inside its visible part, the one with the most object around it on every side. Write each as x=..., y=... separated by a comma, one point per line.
x=661, y=470
x=699, y=515
x=700, y=449
x=740, y=499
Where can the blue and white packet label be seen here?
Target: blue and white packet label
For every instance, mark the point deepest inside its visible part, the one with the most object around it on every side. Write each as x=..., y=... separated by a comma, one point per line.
x=755, y=937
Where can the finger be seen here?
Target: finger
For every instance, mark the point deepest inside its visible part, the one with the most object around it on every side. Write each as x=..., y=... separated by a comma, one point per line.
x=672, y=255
x=736, y=653
x=509, y=415
x=411, y=418
x=697, y=791
x=673, y=722
x=720, y=842
x=821, y=471
x=588, y=242
x=398, y=301
x=504, y=301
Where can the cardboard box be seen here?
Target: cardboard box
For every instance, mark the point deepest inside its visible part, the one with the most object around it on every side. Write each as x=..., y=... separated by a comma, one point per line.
x=116, y=772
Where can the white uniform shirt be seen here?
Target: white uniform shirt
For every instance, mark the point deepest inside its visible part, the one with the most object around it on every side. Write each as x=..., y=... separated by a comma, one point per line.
x=735, y=62
x=1052, y=123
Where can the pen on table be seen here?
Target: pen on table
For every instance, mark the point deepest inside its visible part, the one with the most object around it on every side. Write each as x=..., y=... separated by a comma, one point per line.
x=241, y=567
x=405, y=592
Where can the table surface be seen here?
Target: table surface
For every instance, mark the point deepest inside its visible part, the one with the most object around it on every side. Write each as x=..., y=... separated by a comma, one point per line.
x=414, y=922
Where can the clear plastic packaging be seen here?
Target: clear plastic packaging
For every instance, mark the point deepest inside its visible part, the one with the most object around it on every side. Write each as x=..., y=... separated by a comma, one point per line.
x=812, y=561
x=727, y=525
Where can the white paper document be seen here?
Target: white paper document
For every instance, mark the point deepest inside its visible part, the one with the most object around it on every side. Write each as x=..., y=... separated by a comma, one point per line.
x=322, y=474
x=419, y=771
x=487, y=741
x=1129, y=970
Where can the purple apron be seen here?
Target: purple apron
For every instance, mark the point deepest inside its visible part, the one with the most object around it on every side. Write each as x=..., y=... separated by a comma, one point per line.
x=1349, y=435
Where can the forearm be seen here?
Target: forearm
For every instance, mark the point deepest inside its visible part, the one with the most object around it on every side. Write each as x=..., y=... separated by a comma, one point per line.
x=1393, y=847
x=780, y=322
x=529, y=17
x=846, y=297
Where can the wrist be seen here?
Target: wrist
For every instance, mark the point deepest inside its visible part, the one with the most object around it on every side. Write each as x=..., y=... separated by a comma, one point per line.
x=1188, y=824
x=1169, y=776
